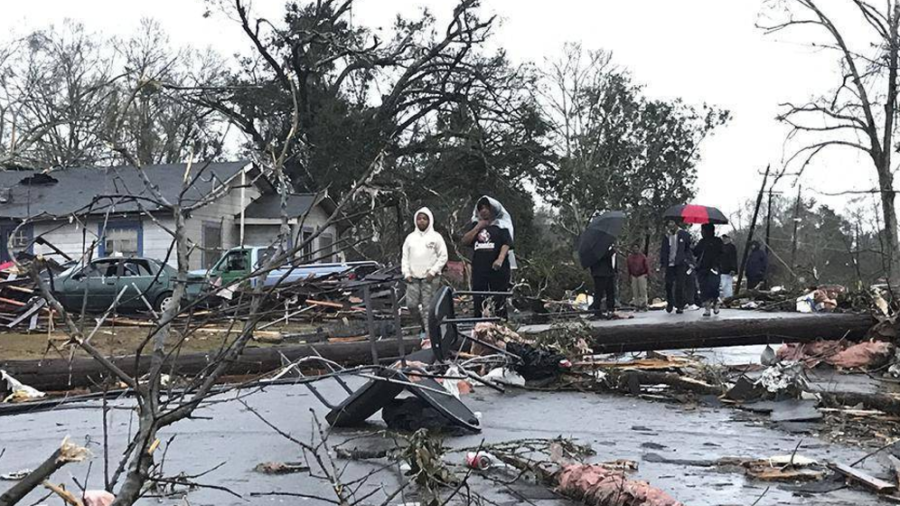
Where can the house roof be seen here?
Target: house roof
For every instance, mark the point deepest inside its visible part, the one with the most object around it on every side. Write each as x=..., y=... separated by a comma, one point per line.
x=27, y=193
x=268, y=206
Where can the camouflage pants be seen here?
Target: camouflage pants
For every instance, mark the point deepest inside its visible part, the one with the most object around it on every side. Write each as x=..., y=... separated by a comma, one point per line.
x=418, y=299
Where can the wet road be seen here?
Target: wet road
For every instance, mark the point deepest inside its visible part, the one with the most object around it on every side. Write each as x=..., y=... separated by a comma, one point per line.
x=617, y=428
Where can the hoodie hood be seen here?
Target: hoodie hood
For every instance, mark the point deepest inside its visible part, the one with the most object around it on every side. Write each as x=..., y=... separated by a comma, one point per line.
x=426, y=212
x=501, y=217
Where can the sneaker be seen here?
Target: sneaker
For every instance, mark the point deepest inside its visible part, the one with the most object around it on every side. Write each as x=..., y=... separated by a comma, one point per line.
x=694, y=307
x=679, y=311
x=669, y=308
x=707, y=313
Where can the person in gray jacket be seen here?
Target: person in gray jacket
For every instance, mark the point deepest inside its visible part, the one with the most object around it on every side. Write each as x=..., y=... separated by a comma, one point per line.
x=675, y=260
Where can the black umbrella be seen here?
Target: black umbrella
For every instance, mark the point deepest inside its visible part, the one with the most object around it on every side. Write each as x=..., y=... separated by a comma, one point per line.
x=599, y=237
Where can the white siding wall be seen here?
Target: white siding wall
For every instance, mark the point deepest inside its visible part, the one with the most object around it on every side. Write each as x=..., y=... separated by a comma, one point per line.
x=225, y=211
x=69, y=237
x=264, y=235
x=260, y=235
x=156, y=241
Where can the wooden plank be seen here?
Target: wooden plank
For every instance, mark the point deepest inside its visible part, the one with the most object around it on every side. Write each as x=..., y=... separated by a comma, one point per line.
x=19, y=289
x=325, y=303
x=28, y=313
x=878, y=485
x=12, y=302
x=895, y=463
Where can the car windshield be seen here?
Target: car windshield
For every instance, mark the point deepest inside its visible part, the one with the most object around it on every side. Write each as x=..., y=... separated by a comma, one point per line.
x=264, y=256
x=70, y=270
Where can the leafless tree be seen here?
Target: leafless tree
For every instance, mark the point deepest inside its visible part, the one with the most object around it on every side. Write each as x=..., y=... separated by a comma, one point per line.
x=158, y=408
x=65, y=91
x=860, y=113
x=56, y=88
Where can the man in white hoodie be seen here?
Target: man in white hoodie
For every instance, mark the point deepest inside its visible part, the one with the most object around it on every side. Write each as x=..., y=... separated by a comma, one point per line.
x=424, y=257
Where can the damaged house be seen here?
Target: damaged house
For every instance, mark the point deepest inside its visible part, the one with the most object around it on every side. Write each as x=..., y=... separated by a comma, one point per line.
x=110, y=210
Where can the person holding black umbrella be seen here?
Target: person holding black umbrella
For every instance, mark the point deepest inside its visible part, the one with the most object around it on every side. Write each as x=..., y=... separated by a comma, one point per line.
x=596, y=251
x=708, y=252
x=675, y=258
x=604, y=274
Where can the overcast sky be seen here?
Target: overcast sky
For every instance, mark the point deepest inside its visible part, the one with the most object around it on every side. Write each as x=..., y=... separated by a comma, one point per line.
x=700, y=50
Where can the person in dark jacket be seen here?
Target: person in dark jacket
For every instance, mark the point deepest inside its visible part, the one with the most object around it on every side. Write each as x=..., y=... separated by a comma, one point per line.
x=729, y=268
x=675, y=260
x=604, y=274
x=708, y=252
x=757, y=265
x=491, y=244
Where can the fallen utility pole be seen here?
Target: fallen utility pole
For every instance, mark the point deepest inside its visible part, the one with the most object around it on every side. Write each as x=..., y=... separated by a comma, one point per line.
x=61, y=374
x=671, y=332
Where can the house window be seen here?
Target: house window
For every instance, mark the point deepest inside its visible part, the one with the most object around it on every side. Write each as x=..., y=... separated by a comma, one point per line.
x=20, y=239
x=326, y=248
x=306, y=252
x=212, y=244
x=122, y=239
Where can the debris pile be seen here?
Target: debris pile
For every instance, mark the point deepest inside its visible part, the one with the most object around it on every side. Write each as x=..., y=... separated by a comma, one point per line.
x=596, y=485
x=841, y=354
x=20, y=305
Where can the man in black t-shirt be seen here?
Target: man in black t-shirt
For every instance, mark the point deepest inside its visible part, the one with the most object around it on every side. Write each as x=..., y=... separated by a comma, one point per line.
x=490, y=262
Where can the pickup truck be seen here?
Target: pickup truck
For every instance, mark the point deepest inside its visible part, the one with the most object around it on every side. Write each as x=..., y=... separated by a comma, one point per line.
x=238, y=263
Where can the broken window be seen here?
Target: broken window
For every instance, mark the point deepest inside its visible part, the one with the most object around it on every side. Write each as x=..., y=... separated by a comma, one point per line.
x=121, y=242
x=121, y=238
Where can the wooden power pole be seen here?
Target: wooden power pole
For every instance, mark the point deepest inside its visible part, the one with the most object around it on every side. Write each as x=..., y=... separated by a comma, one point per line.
x=796, y=224
x=759, y=198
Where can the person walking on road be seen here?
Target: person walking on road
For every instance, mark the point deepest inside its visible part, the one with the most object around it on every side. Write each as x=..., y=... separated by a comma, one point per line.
x=491, y=242
x=757, y=265
x=708, y=252
x=729, y=266
x=424, y=257
x=639, y=271
x=675, y=258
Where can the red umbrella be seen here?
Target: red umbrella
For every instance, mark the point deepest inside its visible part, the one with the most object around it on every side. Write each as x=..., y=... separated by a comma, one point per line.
x=696, y=215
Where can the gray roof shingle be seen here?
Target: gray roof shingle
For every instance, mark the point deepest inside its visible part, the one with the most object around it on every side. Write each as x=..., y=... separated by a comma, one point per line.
x=269, y=206
x=76, y=188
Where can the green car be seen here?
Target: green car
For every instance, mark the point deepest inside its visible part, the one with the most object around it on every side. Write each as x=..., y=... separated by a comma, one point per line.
x=145, y=282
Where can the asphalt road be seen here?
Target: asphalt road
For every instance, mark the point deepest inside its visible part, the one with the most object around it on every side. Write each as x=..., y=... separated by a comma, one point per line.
x=616, y=427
